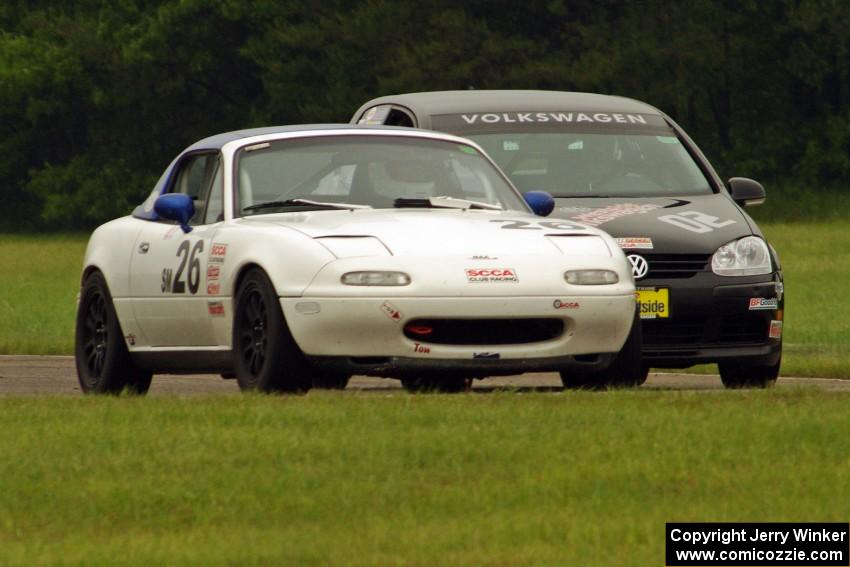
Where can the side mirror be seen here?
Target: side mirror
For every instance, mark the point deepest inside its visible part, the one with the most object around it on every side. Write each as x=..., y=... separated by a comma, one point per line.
x=746, y=192
x=176, y=206
x=541, y=202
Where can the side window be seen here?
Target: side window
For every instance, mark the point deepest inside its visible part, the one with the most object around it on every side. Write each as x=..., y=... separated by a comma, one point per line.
x=375, y=115
x=398, y=117
x=387, y=115
x=195, y=178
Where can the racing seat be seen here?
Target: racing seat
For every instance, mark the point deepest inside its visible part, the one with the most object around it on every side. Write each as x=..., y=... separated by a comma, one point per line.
x=379, y=184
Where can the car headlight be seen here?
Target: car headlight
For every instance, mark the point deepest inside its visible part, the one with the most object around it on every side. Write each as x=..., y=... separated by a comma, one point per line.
x=375, y=278
x=747, y=256
x=591, y=277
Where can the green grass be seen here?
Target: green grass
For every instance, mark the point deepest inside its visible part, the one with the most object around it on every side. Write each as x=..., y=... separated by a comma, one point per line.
x=41, y=274
x=382, y=479
x=816, y=262
x=39, y=279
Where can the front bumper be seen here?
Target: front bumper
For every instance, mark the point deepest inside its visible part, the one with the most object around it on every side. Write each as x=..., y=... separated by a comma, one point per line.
x=364, y=327
x=711, y=320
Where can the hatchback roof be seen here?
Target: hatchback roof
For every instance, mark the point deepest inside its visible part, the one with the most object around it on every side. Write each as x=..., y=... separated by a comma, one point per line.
x=452, y=102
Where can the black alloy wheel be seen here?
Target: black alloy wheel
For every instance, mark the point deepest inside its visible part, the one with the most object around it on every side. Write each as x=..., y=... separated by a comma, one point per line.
x=266, y=357
x=253, y=337
x=104, y=365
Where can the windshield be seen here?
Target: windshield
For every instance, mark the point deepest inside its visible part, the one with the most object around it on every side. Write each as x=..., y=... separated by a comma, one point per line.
x=328, y=172
x=584, y=154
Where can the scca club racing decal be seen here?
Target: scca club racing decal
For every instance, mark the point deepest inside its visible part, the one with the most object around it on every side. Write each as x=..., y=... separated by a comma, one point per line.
x=187, y=276
x=491, y=275
x=560, y=304
x=634, y=243
x=218, y=252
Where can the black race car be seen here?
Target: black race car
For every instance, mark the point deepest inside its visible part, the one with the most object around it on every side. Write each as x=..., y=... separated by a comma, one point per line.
x=710, y=286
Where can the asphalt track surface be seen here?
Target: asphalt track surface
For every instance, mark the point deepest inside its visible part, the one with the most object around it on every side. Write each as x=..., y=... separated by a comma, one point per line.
x=55, y=375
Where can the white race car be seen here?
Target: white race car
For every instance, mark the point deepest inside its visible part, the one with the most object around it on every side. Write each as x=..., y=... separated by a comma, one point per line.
x=297, y=256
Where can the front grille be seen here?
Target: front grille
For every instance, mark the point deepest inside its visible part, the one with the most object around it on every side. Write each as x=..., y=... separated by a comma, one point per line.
x=729, y=330
x=677, y=266
x=483, y=331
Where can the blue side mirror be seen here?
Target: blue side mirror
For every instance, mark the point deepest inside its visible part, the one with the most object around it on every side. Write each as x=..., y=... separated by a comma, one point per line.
x=176, y=206
x=541, y=202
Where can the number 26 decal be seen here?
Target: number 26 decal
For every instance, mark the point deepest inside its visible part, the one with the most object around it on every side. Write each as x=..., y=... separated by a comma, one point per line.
x=551, y=225
x=173, y=282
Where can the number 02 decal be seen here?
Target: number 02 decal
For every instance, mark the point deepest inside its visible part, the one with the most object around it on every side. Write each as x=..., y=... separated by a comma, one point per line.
x=530, y=225
x=173, y=282
x=695, y=221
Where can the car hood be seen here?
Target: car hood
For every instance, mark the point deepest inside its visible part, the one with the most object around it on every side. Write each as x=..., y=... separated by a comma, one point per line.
x=437, y=232
x=692, y=224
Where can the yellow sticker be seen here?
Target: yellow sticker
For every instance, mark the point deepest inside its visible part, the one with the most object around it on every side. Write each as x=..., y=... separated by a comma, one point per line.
x=654, y=303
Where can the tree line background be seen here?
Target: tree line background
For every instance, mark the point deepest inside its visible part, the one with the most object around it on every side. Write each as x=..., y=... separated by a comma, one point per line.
x=97, y=97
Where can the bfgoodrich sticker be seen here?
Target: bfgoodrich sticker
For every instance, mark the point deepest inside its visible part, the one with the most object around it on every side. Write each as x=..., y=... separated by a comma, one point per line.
x=762, y=303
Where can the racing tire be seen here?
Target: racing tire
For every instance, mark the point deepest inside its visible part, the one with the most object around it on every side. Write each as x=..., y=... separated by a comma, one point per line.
x=436, y=384
x=737, y=376
x=104, y=365
x=330, y=380
x=626, y=371
x=265, y=356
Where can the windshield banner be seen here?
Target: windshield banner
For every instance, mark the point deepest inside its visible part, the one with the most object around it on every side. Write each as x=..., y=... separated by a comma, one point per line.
x=563, y=121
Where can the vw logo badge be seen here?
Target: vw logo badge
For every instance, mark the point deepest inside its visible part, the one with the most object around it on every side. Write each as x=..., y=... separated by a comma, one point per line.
x=639, y=265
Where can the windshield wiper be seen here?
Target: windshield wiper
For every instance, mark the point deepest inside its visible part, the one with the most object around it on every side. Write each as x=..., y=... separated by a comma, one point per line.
x=584, y=196
x=442, y=203
x=302, y=203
